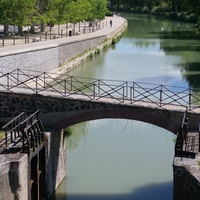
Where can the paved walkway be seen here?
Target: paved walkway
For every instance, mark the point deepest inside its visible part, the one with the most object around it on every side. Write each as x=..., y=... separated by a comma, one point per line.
x=104, y=29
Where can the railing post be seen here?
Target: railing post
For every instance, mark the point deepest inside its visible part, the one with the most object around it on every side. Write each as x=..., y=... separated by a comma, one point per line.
x=65, y=87
x=36, y=86
x=131, y=89
x=99, y=85
x=18, y=76
x=6, y=136
x=190, y=99
x=23, y=136
x=123, y=94
x=8, y=88
x=199, y=137
x=161, y=88
x=94, y=91
x=71, y=82
x=126, y=89
x=44, y=79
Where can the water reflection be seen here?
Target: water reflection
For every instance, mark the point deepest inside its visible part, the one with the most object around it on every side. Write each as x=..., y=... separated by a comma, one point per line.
x=153, y=191
x=120, y=159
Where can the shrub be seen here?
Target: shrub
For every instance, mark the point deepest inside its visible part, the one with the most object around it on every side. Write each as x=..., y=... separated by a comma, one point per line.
x=192, y=18
x=114, y=41
x=145, y=10
x=172, y=15
x=181, y=16
x=97, y=51
x=91, y=55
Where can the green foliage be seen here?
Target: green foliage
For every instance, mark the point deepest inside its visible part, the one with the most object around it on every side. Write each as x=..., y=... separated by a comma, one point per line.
x=97, y=51
x=164, y=8
x=29, y=12
x=193, y=18
x=2, y=134
x=67, y=132
x=114, y=41
x=91, y=55
x=16, y=11
x=105, y=47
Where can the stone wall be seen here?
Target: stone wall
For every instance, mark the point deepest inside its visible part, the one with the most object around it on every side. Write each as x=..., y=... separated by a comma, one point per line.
x=14, y=177
x=47, y=56
x=55, y=156
x=186, y=179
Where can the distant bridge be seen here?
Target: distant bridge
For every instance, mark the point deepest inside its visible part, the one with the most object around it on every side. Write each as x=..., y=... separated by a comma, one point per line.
x=67, y=100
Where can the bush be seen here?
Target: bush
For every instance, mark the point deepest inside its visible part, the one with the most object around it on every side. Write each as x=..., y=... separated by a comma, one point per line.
x=91, y=55
x=145, y=10
x=161, y=9
x=192, y=18
x=138, y=10
x=114, y=41
x=165, y=7
x=155, y=10
x=181, y=16
x=97, y=51
x=172, y=15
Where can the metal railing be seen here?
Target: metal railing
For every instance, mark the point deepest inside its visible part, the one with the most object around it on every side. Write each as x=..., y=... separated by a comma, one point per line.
x=12, y=129
x=100, y=89
x=53, y=33
x=22, y=133
x=181, y=136
x=32, y=133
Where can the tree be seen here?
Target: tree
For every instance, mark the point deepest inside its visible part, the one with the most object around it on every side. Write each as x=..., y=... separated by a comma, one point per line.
x=15, y=12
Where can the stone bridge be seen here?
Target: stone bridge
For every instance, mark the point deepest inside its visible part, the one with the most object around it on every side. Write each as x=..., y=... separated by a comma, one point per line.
x=80, y=100
x=69, y=100
x=60, y=112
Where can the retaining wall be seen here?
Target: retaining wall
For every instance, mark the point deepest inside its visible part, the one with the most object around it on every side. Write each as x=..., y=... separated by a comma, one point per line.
x=48, y=56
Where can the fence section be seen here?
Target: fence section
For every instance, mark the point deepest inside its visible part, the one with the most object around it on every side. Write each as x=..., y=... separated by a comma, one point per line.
x=100, y=89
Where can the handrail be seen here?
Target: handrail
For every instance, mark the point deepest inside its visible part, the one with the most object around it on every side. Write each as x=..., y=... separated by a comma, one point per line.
x=182, y=134
x=30, y=137
x=190, y=143
x=12, y=128
x=96, y=89
x=28, y=132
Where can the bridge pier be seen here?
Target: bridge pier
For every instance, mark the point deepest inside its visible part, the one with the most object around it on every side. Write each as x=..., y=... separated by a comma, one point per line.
x=24, y=178
x=186, y=179
x=14, y=176
x=55, y=153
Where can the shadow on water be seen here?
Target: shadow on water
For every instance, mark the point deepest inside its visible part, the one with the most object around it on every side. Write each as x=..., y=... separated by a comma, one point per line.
x=163, y=191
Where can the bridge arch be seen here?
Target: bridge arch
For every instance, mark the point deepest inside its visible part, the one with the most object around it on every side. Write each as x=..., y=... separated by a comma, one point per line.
x=59, y=112
x=137, y=115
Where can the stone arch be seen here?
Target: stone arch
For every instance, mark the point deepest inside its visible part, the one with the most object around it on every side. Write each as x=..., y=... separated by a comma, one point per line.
x=138, y=115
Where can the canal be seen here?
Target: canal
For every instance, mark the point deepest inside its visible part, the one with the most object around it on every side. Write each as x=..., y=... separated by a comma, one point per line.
x=117, y=159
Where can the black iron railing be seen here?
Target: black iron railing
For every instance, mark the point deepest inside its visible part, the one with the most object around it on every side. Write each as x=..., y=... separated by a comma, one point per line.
x=12, y=129
x=181, y=136
x=24, y=134
x=32, y=133
x=100, y=89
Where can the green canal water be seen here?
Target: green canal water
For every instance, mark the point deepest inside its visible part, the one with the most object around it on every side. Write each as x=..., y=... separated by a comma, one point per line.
x=117, y=159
